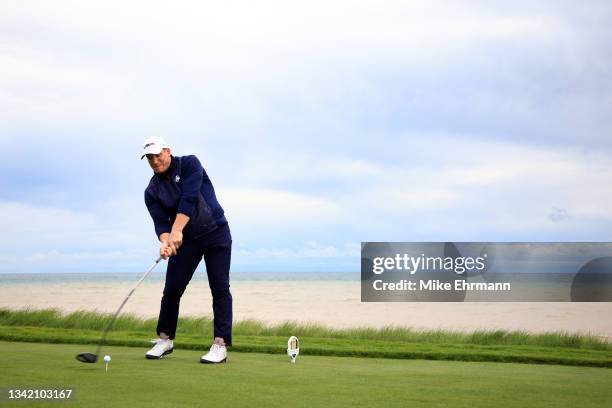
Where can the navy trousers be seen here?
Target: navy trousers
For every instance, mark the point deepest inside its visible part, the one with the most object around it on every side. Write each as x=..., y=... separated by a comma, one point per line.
x=216, y=248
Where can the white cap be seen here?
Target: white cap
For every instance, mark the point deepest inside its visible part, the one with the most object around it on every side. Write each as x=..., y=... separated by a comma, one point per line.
x=154, y=145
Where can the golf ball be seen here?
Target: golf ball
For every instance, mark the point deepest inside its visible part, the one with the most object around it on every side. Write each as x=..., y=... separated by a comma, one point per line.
x=107, y=359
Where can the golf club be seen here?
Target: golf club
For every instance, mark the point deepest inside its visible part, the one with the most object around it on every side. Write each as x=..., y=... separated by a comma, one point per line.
x=91, y=357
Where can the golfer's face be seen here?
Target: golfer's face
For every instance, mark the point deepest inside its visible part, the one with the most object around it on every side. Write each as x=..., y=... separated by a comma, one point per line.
x=159, y=162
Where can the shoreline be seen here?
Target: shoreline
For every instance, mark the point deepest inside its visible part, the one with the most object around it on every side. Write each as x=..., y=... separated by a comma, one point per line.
x=335, y=304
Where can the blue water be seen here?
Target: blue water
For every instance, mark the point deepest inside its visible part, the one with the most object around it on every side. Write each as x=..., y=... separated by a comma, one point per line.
x=156, y=276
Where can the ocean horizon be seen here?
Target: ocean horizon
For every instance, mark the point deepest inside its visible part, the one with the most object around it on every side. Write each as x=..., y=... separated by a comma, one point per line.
x=157, y=276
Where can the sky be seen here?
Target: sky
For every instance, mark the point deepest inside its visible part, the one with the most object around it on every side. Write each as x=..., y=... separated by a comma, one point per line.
x=321, y=124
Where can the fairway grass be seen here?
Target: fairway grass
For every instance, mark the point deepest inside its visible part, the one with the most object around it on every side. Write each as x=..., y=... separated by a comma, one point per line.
x=254, y=379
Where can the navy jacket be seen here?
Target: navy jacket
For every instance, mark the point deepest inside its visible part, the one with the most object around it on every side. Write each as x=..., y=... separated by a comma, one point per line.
x=185, y=188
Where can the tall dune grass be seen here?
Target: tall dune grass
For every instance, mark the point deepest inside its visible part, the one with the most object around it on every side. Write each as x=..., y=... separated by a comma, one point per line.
x=203, y=326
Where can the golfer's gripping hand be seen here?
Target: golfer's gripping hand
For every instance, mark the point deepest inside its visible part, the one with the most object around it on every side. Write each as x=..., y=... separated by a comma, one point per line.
x=170, y=243
x=175, y=240
x=164, y=250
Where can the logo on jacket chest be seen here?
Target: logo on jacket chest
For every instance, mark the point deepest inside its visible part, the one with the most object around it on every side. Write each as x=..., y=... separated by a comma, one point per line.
x=177, y=178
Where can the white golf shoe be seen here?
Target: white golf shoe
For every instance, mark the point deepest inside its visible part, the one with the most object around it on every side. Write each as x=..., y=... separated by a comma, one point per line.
x=216, y=354
x=161, y=348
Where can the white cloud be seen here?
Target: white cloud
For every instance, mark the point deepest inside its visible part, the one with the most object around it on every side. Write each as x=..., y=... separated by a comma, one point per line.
x=262, y=207
x=29, y=219
x=76, y=60
x=113, y=230
x=310, y=250
x=299, y=112
x=466, y=186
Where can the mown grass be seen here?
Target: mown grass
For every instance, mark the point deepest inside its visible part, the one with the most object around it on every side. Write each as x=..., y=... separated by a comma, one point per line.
x=203, y=326
x=264, y=380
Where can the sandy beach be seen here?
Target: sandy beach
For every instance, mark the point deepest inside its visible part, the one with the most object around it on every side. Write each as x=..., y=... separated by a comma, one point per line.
x=333, y=303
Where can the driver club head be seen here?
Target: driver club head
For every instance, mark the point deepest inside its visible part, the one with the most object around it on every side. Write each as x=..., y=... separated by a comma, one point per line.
x=87, y=357
x=91, y=357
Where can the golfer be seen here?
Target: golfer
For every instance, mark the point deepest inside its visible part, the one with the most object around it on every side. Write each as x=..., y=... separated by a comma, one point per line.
x=190, y=224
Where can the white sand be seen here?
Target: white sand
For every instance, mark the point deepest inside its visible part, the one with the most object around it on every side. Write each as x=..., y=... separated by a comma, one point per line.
x=332, y=303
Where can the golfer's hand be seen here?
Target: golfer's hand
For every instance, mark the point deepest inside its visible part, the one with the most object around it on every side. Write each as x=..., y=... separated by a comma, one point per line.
x=164, y=251
x=175, y=240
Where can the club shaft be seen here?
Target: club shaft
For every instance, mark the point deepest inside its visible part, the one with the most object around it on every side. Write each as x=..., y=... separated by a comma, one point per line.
x=112, y=321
